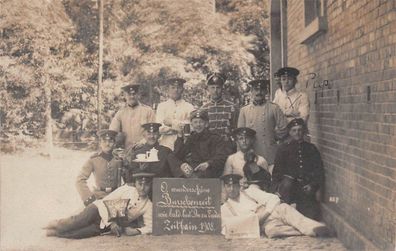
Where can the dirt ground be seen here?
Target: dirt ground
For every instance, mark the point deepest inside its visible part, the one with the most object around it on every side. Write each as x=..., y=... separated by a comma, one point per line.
x=35, y=190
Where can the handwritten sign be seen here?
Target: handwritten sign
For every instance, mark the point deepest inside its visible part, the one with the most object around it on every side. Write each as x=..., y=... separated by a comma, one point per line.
x=186, y=206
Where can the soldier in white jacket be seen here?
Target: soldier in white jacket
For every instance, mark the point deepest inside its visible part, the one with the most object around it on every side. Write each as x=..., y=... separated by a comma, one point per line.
x=94, y=219
x=173, y=113
x=275, y=219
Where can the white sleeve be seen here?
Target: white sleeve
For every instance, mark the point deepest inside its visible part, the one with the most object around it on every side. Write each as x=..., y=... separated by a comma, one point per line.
x=228, y=166
x=115, y=124
x=225, y=215
x=186, y=116
x=147, y=220
x=304, y=106
x=269, y=200
x=263, y=163
x=160, y=117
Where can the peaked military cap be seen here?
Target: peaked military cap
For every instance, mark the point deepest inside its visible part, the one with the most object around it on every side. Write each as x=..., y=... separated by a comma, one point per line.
x=199, y=114
x=261, y=83
x=215, y=79
x=288, y=71
x=142, y=175
x=296, y=122
x=176, y=81
x=107, y=134
x=151, y=127
x=131, y=88
x=244, y=131
x=231, y=178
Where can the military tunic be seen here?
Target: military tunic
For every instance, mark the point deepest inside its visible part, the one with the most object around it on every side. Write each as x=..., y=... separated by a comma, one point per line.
x=270, y=125
x=179, y=112
x=294, y=104
x=105, y=170
x=302, y=164
x=160, y=169
x=129, y=120
x=223, y=117
x=198, y=148
x=299, y=160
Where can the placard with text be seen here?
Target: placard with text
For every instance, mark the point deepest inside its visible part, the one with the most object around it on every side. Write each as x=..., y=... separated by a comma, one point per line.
x=186, y=206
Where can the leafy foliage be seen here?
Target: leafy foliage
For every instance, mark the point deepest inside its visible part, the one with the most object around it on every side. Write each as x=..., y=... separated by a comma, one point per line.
x=54, y=44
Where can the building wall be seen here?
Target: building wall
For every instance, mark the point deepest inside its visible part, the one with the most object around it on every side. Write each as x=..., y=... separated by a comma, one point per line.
x=356, y=136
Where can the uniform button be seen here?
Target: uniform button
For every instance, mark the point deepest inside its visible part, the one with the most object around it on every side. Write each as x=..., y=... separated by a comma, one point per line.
x=301, y=166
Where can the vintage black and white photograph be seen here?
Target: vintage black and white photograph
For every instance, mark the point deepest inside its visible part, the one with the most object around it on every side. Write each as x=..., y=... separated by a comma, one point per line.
x=198, y=125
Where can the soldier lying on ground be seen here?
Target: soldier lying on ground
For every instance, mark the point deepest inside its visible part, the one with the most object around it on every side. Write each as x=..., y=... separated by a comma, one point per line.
x=105, y=169
x=275, y=219
x=94, y=219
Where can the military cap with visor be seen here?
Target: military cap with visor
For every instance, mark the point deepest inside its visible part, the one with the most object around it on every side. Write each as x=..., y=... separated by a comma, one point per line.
x=202, y=114
x=288, y=71
x=131, y=88
x=176, y=81
x=296, y=122
x=215, y=79
x=151, y=127
x=142, y=175
x=231, y=178
x=107, y=134
x=246, y=131
x=259, y=83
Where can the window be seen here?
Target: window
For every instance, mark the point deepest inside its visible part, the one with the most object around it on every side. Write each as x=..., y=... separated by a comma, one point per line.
x=314, y=20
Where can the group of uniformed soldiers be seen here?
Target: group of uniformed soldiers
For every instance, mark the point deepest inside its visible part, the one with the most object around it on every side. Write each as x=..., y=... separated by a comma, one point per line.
x=241, y=147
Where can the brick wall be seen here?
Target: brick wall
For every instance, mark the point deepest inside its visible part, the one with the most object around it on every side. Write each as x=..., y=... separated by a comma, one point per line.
x=356, y=137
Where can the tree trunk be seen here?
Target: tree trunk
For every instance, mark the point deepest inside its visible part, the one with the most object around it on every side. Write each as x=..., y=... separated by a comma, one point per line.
x=48, y=124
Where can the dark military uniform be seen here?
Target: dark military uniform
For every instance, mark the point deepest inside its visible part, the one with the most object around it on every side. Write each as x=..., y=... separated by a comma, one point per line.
x=105, y=169
x=160, y=169
x=223, y=117
x=298, y=164
x=198, y=148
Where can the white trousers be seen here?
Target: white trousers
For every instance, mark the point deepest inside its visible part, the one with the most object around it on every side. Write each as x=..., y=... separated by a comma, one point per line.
x=287, y=221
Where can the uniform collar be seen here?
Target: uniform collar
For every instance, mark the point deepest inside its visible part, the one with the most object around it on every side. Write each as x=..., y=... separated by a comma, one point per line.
x=215, y=102
x=259, y=103
x=134, y=106
x=176, y=102
x=151, y=146
x=291, y=92
x=106, y=156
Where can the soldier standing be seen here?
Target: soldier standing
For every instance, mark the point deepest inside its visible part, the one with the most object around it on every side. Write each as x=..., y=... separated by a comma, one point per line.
x=173, y=113
x=128, y=120
x=223, y=114
x=266, y=118
x=293, y=103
